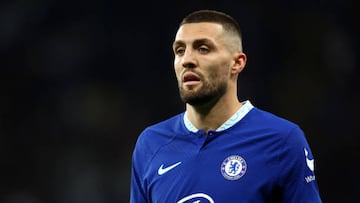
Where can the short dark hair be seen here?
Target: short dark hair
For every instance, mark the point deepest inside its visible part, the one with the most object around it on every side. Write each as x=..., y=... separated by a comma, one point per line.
x=213, y=16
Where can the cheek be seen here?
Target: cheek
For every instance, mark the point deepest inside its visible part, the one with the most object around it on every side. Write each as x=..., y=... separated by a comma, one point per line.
x=225, y=70
x=219, y=72
x=177, y=63
x=177, y=70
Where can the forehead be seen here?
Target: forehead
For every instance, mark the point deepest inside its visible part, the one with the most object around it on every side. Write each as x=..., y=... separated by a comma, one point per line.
x=191, y=31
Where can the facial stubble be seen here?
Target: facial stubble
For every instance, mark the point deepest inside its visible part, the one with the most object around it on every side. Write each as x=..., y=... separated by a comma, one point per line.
x=207, y=93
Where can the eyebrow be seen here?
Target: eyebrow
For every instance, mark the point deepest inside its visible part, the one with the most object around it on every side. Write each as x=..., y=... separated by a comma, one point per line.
x=196, y=42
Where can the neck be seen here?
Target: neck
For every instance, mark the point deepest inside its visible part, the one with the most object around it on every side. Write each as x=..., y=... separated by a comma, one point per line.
x=212, y=115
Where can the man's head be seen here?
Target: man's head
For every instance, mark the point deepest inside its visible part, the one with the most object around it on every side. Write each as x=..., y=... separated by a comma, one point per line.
x=208, y=57
x=229, y=24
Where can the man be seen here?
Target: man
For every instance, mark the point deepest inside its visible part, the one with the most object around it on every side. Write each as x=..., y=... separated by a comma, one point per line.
x=220, y=149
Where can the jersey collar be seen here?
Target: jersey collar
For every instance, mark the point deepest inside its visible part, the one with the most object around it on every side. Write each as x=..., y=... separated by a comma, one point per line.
x=245, y=108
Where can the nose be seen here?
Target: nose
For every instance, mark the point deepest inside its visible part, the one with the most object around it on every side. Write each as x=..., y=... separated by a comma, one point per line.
x=189, y=65
x=188, y=59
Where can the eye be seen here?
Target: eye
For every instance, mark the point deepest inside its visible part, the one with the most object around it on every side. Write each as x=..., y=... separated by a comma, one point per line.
x=179, y=51
x=203, y=50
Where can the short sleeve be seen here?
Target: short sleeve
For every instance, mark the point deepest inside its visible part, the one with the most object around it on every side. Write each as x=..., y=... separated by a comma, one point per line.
x=297, y=179
x=139, y=162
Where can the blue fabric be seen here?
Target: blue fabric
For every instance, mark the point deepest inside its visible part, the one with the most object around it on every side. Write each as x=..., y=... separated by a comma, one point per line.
x=262, y=158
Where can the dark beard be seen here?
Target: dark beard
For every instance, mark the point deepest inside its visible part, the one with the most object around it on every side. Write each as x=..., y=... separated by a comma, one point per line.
x=205, y=95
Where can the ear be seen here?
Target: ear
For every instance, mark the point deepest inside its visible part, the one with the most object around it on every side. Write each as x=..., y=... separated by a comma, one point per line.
x=239, y=62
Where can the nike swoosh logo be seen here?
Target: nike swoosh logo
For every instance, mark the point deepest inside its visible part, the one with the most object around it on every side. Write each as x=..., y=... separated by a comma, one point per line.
x=163, y=170
x=309, y=162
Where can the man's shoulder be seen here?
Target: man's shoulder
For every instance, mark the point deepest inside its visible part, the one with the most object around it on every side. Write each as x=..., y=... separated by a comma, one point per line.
x=158, y=134
x=274, y=128
x=269, y=119
x=167, y=124
x=163, y=130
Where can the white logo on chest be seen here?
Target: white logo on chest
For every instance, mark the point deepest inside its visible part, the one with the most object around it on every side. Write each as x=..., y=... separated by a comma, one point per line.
x=196, y=198
x=162, y=170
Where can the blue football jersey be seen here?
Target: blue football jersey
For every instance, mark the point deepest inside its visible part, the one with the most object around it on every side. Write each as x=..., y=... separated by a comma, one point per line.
x=254, y=157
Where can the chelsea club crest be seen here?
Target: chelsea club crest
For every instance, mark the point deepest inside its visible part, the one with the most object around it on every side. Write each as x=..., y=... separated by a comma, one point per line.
x=233, y=167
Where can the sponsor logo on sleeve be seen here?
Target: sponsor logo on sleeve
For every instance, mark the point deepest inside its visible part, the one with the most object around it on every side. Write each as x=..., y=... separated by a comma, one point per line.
x=310, y=165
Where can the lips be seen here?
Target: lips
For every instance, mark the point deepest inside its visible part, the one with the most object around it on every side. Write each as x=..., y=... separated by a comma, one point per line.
x=190, y=77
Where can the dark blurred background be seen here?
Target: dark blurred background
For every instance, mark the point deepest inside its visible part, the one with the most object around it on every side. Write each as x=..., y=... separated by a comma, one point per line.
x=81, y=79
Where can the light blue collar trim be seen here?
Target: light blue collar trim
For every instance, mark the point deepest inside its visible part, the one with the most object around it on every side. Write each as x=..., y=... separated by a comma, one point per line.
x=246, y=107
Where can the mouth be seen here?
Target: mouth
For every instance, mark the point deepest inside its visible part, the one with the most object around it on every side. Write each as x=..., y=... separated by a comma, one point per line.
x=190, y=78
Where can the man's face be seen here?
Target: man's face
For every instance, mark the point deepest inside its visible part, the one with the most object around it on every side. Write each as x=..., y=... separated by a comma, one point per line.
x=202, y=62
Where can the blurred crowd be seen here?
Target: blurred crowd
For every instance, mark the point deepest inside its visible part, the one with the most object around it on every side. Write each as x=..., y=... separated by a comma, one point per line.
x=79, y=80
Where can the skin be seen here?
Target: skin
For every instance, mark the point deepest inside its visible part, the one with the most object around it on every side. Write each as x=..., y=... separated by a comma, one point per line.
x=207, y=65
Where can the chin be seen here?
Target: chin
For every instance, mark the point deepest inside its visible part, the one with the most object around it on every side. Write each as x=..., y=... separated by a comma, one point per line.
x=197, y=100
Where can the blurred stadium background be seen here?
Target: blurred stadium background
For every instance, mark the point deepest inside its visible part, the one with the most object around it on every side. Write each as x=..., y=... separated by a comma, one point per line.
x=81, y=79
